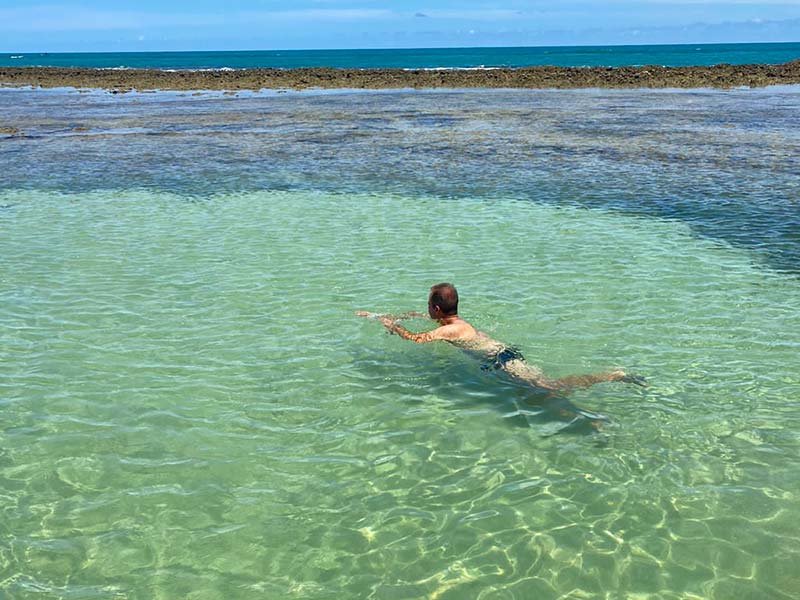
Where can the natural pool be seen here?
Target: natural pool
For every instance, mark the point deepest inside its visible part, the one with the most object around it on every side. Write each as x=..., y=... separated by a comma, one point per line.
x=189, y=407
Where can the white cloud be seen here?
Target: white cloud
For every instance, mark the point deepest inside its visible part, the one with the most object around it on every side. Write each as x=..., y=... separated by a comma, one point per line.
x=44, y=18
x=50, y=18
x=324, y=14
x=492, y=14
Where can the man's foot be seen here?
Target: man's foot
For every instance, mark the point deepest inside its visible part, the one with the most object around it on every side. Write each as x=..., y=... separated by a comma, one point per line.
x=635, y=380
x=620, y=375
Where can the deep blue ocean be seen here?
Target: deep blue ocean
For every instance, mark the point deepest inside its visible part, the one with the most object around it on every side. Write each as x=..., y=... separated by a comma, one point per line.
x=424, y=58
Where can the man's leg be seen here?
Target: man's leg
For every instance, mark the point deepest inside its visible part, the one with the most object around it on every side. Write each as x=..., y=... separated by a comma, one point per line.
x=523, y=371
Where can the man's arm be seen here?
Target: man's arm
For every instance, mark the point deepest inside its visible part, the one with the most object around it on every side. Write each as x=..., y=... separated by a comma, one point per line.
x=412, y=314
x=419, y=338
x=445, y=332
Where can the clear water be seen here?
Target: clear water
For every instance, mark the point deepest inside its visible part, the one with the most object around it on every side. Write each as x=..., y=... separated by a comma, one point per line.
x=674, y=55
x=190, y=409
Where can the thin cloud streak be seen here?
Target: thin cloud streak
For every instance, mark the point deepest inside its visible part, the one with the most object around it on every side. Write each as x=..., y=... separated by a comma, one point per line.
x=60, y=18
x=479, y=15
x=322, y=14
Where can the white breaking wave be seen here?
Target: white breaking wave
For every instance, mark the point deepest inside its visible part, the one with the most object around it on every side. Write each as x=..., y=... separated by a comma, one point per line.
x=478, y=68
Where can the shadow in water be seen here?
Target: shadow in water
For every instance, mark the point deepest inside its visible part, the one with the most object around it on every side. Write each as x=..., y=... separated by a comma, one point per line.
x=459, y=380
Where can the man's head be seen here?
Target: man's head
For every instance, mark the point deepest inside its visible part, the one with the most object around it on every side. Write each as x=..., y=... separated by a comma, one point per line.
x=443, y=301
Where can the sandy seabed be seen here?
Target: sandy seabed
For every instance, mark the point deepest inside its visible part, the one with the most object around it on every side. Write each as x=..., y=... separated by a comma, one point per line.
x=718, y=76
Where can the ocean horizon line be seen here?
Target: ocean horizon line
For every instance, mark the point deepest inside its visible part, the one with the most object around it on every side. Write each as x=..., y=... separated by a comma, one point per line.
x=403, y=48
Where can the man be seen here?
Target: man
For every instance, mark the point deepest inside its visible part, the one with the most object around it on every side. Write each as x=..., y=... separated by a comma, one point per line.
x=443, y=307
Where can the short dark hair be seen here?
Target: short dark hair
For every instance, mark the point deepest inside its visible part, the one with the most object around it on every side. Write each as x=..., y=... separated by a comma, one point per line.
x=445, y=296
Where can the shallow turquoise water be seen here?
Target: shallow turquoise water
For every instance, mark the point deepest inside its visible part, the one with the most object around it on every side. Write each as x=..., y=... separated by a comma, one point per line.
x=190, y=409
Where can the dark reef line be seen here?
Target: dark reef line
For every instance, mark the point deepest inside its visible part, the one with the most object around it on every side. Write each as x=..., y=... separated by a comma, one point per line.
x=718, y=76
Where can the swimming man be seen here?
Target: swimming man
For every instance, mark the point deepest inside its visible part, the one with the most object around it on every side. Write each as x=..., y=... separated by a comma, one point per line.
x=443, y=307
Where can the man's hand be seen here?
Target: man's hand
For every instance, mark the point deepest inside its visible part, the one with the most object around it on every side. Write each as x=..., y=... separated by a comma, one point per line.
x=403, y=316
x=412, y=314
x=388, y=323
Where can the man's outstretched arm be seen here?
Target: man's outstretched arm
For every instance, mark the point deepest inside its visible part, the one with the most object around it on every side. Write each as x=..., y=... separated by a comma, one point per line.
x=390, y=322
x=412, y=314
x=419, y=338
x=445, y=332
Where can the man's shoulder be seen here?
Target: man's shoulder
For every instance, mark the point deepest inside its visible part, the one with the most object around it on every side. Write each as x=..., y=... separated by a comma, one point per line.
x=457, y=331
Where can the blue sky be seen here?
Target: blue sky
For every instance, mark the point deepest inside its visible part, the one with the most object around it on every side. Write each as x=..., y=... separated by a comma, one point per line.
x=58, y=26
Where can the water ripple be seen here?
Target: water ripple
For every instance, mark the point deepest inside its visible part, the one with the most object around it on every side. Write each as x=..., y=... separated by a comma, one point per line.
x=190, y=406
